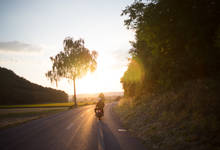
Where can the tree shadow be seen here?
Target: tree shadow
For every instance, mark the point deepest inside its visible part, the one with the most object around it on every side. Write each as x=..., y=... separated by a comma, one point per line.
x=110, y=141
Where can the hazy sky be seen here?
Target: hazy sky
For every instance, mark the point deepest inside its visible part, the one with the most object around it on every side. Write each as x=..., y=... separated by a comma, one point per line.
x=33, y=30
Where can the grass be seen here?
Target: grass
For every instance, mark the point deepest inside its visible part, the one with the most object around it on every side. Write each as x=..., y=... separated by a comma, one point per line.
x=187, y=118
x=70, y=104
x=28, y=114
x=12, y=115
x=38, y=105
x=11, y=119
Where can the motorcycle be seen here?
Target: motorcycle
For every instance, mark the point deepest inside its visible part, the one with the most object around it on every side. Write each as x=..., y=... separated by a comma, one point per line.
x=98, y=113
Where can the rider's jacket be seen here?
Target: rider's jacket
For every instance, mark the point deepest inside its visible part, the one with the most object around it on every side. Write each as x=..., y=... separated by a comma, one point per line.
x=100, y=104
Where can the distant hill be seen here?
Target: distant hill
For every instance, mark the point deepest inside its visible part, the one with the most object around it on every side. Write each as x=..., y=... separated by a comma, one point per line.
x=17, y=90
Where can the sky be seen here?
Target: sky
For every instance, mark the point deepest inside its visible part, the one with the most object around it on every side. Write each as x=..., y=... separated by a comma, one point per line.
x=31, y=31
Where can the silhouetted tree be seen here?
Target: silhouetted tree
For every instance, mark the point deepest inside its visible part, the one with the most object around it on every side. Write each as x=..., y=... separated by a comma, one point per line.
x=72, y=63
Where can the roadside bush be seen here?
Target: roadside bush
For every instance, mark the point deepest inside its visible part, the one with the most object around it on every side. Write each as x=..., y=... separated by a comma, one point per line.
x=185, y=118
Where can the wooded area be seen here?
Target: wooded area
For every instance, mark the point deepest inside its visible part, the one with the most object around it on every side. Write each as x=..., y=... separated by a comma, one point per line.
x=176, y=41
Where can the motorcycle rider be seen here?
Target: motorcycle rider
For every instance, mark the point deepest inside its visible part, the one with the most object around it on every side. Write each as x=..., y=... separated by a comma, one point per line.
x=100, y=105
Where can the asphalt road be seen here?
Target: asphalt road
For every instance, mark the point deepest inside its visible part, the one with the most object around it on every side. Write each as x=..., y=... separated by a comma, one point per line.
x=76, y=129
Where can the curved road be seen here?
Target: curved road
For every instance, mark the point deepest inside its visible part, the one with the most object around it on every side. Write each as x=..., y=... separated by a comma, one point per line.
x=76, y=129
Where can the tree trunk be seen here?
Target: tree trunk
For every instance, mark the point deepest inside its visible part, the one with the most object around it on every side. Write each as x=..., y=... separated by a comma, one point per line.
x=74, y=84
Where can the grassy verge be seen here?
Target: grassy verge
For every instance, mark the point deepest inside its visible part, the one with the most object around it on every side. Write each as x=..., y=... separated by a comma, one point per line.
x=28, y=114
x=38, y=105
x=184, y=118
x=11, y=119
x=70, y=104
x=11, y=115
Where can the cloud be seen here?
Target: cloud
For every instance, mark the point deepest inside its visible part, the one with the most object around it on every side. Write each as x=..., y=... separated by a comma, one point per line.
x=17, y=46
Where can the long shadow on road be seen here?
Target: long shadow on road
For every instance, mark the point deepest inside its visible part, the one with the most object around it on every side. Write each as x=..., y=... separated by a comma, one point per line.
x=109, y=140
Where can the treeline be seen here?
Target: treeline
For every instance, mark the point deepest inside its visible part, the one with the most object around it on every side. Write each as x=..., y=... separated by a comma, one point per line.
x=17, y=90
x=176, y=41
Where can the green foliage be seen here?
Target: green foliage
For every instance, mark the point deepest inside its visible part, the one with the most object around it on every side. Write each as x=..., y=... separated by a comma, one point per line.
x=133, y=77
x=17, y=90
x=73, y=62
x=176, y=41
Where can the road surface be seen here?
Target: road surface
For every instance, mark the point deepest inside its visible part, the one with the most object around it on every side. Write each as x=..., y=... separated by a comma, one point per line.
x=76, y=129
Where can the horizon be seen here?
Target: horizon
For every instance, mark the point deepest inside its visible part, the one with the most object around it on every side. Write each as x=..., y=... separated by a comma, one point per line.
x=63, y=90
x=110, y=92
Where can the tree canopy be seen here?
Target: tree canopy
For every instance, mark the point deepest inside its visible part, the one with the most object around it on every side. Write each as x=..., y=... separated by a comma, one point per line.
x=175, y=41
x=73, y=62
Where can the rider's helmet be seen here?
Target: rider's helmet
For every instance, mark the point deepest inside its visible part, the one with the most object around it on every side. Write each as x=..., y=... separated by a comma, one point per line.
x=99, y=99
x=101, y=96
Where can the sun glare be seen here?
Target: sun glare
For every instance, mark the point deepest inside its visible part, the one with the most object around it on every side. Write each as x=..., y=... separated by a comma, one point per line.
x=105, y=79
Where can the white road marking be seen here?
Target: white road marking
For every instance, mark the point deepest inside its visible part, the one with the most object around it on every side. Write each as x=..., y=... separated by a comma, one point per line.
x=122, y=130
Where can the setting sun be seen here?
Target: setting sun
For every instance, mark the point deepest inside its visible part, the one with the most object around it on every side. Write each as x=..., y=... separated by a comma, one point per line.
x=105, y=79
